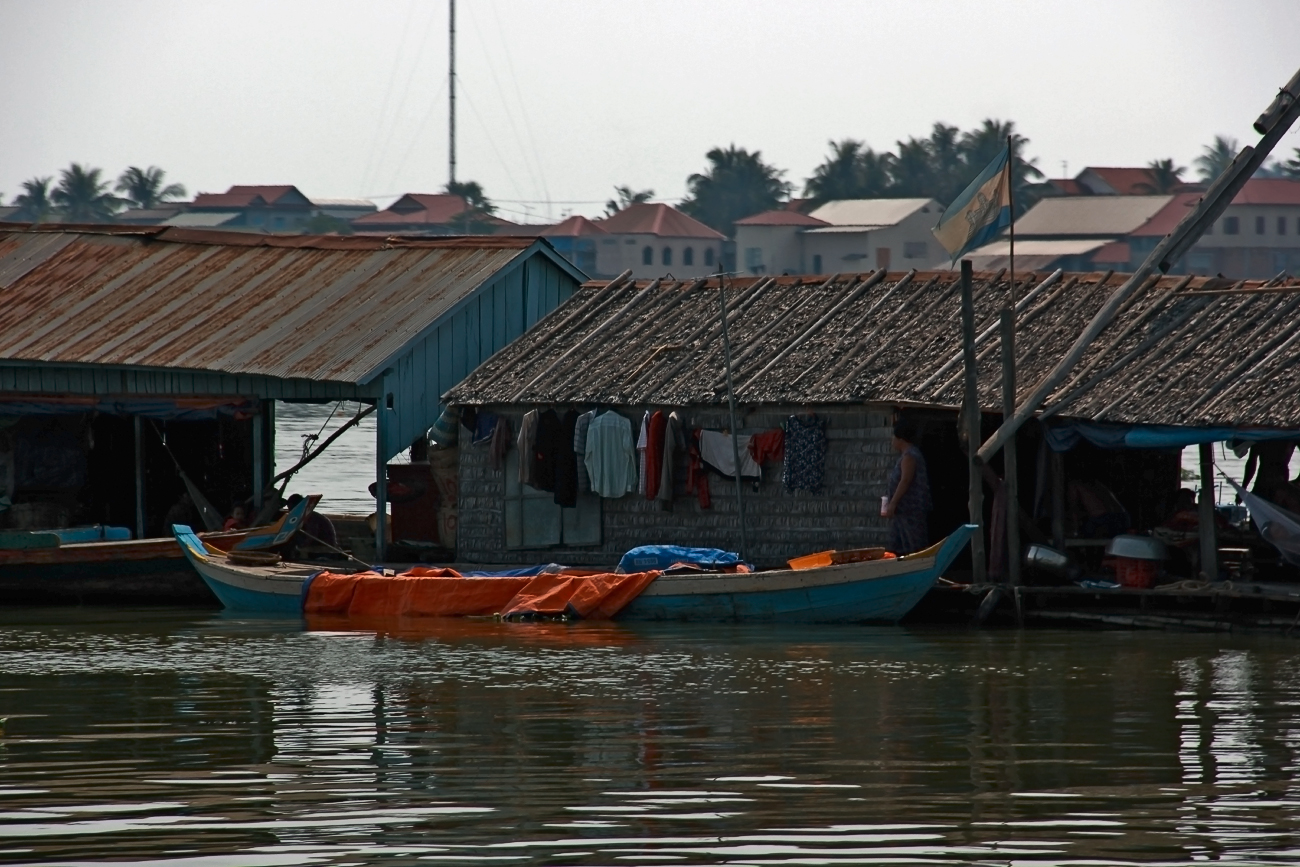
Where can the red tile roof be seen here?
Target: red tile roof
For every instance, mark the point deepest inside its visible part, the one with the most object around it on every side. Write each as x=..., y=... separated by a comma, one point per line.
x=1128, y=181
x=432, y=209
x=657, y=219
x=244, y=196
x=1269, y=191
x=1068, y=186
x=781, y=218
x=573, y=227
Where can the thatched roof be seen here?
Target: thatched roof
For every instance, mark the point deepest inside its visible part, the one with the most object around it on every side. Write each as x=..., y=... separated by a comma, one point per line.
x=1187, y=351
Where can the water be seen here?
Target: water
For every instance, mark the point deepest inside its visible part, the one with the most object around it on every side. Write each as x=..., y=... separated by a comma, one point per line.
x=199, y=740
x=344, y=471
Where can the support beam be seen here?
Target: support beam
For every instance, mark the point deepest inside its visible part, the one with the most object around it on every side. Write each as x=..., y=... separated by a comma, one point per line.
x=381, y=478
x=259, y=455
x=1010, y=474
x=979, y=564
x=139, y=476
x=1209, y=540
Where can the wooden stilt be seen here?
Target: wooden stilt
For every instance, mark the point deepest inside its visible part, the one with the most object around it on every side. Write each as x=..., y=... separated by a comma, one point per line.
x=1058, y=500
x=139, y=477
x=1010, y=474
x=381, y=480
x=979, y=564
x=1209, y=540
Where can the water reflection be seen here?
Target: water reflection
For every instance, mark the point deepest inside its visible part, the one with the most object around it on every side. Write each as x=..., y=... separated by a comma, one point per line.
x=212, y=741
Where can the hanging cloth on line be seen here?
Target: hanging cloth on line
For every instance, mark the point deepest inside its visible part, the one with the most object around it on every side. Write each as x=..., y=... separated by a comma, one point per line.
x=716, y=450
x=1280, y=527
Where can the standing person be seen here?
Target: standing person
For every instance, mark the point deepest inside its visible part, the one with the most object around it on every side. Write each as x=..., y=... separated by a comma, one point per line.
x=909, y=504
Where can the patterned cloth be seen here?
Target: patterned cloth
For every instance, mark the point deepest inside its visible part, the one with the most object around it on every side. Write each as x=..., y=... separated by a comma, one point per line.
x=805, y=453
x=909, y=529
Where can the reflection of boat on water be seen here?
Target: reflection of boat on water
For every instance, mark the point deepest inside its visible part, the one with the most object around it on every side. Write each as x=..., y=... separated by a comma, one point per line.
x=127, y=571
x=870, y=591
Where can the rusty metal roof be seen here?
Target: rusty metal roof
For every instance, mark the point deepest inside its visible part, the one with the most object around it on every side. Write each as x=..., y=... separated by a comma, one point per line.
x=1183, y=351
x=331, y=308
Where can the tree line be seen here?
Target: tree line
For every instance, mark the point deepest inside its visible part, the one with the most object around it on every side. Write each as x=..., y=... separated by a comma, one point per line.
x=84, y=195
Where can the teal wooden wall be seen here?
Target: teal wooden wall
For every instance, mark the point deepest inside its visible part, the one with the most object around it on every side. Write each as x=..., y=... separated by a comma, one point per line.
x=492, y=317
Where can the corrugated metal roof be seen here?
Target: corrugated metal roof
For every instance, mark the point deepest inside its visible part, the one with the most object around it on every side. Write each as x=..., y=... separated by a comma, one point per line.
x=1184, y=351
x=318, y=308
x=873, y=212
x=1101, y=216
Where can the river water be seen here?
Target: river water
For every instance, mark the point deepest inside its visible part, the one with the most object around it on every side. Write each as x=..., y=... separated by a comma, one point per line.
x=196, y=739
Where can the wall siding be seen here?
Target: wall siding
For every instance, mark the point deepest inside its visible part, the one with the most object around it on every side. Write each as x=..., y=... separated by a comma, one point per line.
x=780, y=524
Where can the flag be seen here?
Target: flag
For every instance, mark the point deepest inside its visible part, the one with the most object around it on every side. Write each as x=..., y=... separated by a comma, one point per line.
x=981, y=212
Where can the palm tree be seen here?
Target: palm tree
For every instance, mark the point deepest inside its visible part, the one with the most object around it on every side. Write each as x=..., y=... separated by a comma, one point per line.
x=82, y=197
x=476, y=218
x=1216, y=157
x=144, y=187
x=1165, y=177
x=738, y=183
x=852, y=171
x=34, y=205
x=1291, y=168
x=627, y=196
x=913, y=174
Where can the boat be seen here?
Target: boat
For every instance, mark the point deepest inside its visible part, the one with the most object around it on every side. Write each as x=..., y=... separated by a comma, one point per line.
x=869, y=591
x=124, y=571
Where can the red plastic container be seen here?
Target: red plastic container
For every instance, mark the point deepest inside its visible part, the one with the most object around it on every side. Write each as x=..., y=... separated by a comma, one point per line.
x=1135, y=573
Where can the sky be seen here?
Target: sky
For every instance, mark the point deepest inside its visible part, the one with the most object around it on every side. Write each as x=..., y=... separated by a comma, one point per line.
x=559, y=101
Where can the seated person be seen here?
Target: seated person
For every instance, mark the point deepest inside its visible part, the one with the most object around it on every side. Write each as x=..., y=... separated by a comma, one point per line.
x=1097, y=512
x=316, y=531
x=236, y=521
x=181, y=512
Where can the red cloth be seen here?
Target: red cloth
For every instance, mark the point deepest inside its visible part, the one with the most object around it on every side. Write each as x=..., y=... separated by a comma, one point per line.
x=697, y=477
x=423, y=592
x=654, y=454
x=767, y=446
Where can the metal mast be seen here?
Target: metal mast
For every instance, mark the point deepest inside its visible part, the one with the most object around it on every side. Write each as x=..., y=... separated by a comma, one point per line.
x=451, y=89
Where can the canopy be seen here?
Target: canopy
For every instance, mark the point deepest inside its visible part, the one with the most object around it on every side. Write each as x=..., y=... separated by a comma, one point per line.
x=1062, y=436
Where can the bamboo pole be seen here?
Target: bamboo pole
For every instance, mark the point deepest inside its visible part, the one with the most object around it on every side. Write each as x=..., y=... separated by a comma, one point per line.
x=972, y=413
x=731, y=404
x=1010, y=472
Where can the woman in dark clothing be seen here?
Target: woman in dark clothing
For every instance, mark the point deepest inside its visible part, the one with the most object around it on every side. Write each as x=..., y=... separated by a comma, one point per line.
x=909, y=504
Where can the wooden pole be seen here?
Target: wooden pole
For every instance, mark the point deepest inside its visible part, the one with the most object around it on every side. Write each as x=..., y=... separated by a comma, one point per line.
x=259, y=456
x=1010, y=473
x=381, y=478
x=139, y=477
x=972, y=413
x=735, y=432
x=1209, y=542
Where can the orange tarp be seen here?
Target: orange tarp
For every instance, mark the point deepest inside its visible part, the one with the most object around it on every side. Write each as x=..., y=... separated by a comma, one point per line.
x=424, y=592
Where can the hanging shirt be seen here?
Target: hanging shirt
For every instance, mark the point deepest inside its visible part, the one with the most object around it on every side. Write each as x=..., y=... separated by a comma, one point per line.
x=610, y=457
x=672, y=444
x=716, y=450
x=642, y=443
x=805, y=453
x=767, y=446
x=527, y=436
x=654, y=454
x=546, y=450
x=580, y=450
x=566, y=463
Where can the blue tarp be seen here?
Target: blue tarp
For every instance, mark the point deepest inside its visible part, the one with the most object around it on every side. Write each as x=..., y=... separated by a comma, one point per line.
x=660, y=557
x=1062, y=436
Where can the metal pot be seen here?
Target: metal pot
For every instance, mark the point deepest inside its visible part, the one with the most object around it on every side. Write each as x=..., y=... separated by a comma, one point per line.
x=1043, y=558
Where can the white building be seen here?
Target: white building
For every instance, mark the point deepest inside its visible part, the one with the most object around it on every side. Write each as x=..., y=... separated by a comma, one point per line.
x=653, y=240
x=841, y=237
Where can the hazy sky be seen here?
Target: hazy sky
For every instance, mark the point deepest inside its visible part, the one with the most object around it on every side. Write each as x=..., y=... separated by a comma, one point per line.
x=564, y=99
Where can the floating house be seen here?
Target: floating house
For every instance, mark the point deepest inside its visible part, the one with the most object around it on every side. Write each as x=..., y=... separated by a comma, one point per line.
x=1190, y=359
x=122, y=349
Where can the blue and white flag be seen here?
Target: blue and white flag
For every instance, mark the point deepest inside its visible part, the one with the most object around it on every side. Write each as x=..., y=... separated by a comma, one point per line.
x=981, y=212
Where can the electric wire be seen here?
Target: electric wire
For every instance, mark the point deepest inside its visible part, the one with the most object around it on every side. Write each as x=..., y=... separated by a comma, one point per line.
x=388, y=92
